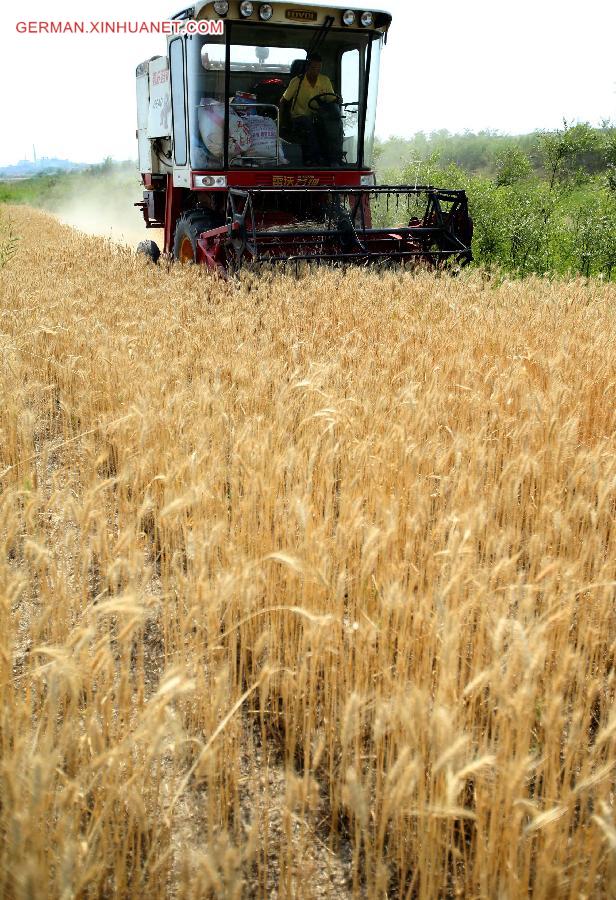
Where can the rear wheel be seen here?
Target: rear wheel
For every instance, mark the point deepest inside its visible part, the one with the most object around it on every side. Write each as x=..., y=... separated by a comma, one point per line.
x=187, y=230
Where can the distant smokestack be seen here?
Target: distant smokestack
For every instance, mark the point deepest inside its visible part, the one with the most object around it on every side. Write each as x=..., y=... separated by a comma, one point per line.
x=34, y=152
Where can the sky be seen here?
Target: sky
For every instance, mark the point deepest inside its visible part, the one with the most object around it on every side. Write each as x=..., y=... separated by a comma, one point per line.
x=508, y=65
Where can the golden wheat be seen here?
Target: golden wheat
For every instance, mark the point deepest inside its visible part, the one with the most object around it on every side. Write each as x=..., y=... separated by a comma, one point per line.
x=306, y=586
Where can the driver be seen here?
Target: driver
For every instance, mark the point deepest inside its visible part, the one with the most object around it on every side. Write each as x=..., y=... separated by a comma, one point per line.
x=296, y=99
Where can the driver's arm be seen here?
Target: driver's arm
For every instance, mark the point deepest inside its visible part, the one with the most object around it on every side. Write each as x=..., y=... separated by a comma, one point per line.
x=328, y=88
x=291, y=90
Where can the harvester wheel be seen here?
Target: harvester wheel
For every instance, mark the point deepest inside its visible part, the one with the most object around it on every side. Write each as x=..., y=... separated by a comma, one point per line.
x=149, y=249
x=187, y=230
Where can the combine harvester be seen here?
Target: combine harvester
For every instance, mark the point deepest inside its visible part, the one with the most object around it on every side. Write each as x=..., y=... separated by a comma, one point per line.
x=256, y=144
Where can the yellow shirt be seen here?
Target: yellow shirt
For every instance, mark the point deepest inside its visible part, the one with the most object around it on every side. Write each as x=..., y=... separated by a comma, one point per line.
x=307, y=91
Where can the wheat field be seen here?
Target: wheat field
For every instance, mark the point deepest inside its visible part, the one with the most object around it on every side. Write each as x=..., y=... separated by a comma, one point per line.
x=307, y=587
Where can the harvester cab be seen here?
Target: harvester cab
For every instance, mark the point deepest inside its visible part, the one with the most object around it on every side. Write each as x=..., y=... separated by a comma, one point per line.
x=256, y=144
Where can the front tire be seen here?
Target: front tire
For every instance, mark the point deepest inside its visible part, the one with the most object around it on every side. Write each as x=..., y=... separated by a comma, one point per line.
x=187, y=230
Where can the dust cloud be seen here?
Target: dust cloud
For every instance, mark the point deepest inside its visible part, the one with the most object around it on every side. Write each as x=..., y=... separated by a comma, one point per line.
x=102, y=205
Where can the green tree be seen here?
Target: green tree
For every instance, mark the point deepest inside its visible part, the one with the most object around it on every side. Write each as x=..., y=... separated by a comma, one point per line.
x=609, y=157
x=512, y=165
x=592, y=234
x=562, y=149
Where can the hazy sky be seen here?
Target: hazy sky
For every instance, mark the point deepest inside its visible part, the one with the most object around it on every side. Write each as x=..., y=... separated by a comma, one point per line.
x=513, y=66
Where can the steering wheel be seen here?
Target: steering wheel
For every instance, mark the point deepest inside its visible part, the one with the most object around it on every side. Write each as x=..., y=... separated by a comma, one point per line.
x=319, y=97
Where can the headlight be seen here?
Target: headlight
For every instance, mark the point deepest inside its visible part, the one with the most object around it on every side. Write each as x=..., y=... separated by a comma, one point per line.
x=367, y=19
x=221, y=7
x=266, y=12
x=247, y=8
x=348, y=18
x=211, y=181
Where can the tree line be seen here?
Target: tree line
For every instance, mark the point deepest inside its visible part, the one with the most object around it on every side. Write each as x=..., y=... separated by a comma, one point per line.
x=542, y=203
